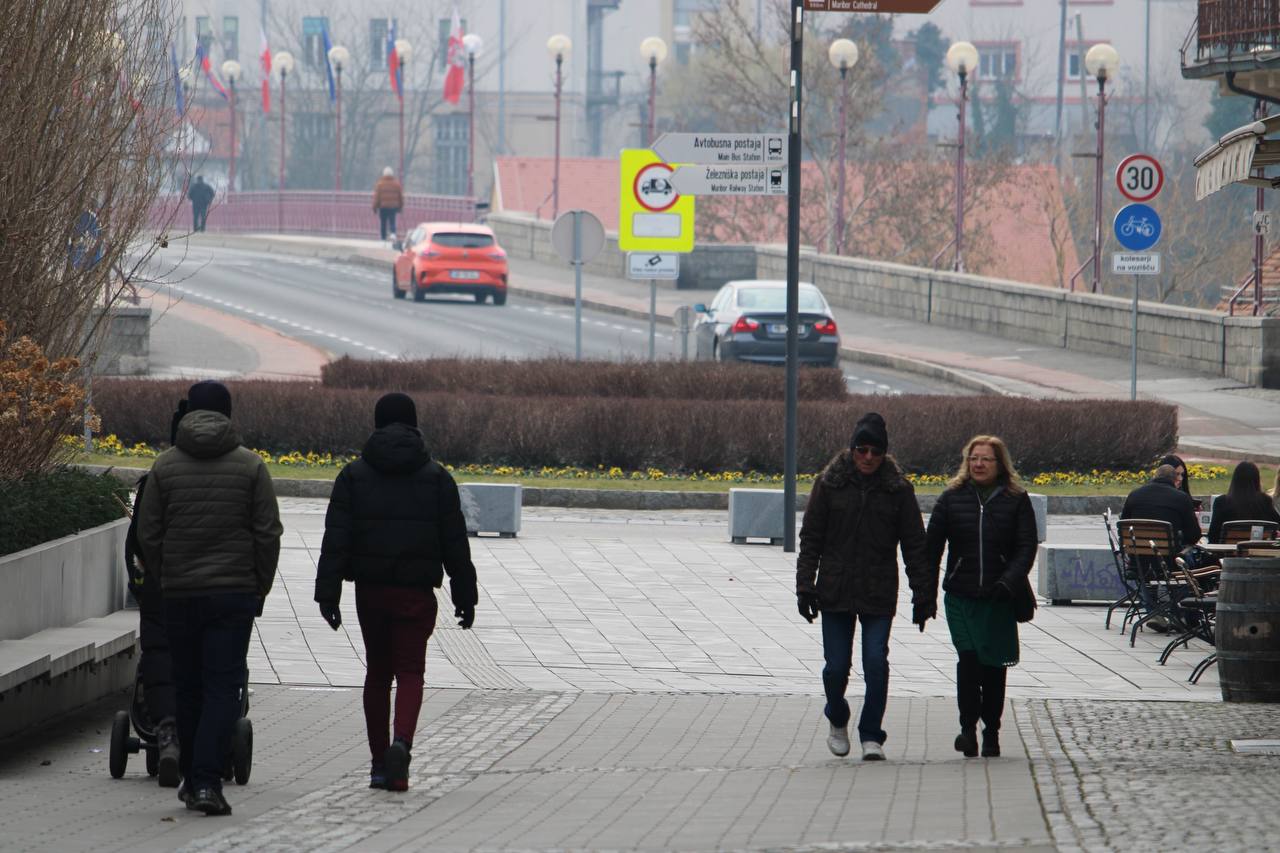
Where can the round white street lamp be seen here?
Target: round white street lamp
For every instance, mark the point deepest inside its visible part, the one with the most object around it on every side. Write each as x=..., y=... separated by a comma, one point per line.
x=472, y=44
x=559, y=46
x=1102, y=61
x=962, y=58
x=653, y=50
x=843, y=54
x=404, y=50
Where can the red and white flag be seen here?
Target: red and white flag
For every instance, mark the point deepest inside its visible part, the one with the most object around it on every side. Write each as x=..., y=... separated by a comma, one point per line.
x=264, y=57
x=455, y=60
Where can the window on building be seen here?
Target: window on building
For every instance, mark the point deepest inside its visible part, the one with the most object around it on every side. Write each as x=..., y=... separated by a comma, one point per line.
x=313, y=41
x=443, y=41
x=450, y=154
x=378, y=30
x=204, y=33
x=997, y=60
x=1075, y=58
x=231, y=37
x=683, y=12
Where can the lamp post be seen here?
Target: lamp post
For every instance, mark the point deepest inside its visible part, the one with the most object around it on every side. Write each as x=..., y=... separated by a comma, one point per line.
x=472, y=44
x=283, y=61
x=962, y=58
x=188, y=80
x=558, y=46
x=404, y=50
x=654, y=51
x=1101, y=61
x=231, y=70
x=843, y=54
x=338, y=56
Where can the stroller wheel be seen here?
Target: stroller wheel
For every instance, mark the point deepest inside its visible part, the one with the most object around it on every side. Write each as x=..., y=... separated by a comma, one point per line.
x=119, y=754
x=242, y=750
x=153, y=760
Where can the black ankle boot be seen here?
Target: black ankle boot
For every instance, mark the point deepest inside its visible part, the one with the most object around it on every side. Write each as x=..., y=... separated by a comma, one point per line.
x=967, y=742
x=990, y=743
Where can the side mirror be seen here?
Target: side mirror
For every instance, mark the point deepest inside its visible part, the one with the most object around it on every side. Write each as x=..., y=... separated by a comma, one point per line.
x=701, y=308
x=398, y=245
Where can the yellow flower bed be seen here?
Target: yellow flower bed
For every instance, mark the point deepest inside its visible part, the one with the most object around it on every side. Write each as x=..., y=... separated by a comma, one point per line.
x=110, y=445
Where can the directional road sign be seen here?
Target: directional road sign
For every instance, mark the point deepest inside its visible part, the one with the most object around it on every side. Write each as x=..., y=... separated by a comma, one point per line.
x=730, y=180
x=1137, y=227
x=653, y=265
x=1135, y=263
x=738, y=149
x=652, y=215
x=896, y=7
x=1140, y=177
x=591, y=236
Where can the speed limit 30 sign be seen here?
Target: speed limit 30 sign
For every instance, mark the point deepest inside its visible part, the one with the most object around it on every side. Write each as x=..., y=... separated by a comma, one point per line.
x=1139, y=177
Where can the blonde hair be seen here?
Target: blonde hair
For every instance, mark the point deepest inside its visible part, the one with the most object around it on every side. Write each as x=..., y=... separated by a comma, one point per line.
x=1006, y=476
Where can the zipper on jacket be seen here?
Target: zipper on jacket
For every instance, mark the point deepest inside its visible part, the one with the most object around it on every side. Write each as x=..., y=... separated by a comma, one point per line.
x=982, y=566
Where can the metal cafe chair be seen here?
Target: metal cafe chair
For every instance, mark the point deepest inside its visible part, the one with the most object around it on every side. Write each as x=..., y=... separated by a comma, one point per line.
x=1198, y=609
x=1234, y=532
x=1128, y=575
x=1149, y=547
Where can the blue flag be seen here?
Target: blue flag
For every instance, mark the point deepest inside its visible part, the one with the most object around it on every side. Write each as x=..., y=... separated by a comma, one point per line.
x=179, y=99
x=328, y=66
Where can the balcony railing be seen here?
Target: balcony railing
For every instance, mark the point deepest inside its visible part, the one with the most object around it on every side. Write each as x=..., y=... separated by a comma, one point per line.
x=1236, y=29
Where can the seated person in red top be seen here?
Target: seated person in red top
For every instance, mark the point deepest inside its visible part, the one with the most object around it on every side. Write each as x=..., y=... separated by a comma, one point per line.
x=1244, y=501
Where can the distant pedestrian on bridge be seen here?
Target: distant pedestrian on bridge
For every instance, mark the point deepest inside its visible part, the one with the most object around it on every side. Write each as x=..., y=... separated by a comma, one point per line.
x=388, y=200
x=985, y=521
x=861, y=511
x=395, y=527
x=201, y=195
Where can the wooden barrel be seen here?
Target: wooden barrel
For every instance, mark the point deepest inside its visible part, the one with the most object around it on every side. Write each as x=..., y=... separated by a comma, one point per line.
x=1248, y=629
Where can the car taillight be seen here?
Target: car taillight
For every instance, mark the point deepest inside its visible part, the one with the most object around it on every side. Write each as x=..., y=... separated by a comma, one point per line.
x=745, y=324
x=428, y=253
x=825, y=327
x=497, y=255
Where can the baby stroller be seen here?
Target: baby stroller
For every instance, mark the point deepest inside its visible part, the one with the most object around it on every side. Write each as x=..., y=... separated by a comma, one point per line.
x=152, y=711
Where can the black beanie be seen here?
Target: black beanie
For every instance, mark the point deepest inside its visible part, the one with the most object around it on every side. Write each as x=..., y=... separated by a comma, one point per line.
x=871, y=430
x=209, y=396
x=395, y=408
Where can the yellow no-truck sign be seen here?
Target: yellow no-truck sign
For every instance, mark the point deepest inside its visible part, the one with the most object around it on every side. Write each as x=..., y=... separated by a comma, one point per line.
x=653, y=217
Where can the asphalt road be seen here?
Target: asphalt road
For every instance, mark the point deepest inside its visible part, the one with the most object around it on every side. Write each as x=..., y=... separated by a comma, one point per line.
x=348, y=310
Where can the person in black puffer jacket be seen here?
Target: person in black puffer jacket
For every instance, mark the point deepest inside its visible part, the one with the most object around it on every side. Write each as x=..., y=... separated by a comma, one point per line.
x=986, y=522
x=395, y=527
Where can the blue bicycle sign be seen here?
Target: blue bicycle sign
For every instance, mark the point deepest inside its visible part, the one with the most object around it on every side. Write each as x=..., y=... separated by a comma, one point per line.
x=1137, y=227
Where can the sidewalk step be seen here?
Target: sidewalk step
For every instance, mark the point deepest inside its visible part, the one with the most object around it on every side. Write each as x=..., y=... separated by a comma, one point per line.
x=55, y=651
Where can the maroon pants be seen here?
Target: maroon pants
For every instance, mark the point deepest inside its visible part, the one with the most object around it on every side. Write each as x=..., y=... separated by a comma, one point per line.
x=396, y=622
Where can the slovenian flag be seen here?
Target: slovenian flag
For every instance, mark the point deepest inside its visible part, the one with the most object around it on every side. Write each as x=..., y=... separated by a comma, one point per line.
x=202, y=59
x=328, y=66
x=264, y=57
x=179, y=99
x=456, y=61
x=393, y=62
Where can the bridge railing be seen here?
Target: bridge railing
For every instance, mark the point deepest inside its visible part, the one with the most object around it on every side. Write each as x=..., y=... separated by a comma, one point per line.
x=340, y=214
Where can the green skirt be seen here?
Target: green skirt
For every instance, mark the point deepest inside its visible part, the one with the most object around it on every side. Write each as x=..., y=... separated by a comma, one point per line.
x=983, y=626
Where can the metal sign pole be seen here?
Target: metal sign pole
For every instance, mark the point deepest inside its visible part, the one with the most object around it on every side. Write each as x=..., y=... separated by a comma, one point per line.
x=653, y=318
x=1133, y=355
x=577, y=285
x=793, y=280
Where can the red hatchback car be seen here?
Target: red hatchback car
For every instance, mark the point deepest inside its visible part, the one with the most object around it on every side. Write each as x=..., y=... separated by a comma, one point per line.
x=448, y=257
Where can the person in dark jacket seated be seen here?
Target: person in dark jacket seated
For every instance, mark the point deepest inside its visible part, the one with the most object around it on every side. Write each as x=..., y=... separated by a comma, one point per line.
x=395, y=527
x=986, y=522
x=1163, y=500
x=1244, y=501
x=861, y=511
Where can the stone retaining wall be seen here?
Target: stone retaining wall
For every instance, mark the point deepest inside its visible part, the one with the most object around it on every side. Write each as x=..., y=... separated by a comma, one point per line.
x=125, y=349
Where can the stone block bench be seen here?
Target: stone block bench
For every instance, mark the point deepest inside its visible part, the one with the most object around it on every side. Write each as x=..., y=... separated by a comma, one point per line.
x=756, y=514
x=491, y=508
x=1077, y=573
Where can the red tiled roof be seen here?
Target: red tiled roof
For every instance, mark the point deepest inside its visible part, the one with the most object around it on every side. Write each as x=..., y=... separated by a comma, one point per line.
x=1030, y=199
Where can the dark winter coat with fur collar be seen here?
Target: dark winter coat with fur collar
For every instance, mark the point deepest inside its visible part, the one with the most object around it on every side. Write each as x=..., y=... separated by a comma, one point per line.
x=852, y=530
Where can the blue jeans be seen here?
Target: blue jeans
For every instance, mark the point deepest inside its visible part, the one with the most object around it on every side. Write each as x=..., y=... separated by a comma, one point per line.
x=837, y=648
x=209, y=640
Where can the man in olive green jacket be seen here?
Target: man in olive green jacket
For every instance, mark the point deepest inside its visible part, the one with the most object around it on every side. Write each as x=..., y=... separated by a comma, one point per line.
x=210, y=531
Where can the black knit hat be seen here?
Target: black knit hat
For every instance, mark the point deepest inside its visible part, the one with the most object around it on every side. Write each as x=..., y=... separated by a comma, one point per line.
x=870, y=430
x=395, y=408
x=209, y=396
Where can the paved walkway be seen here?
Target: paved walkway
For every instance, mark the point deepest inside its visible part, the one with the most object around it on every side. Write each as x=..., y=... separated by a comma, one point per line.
x=637, y=682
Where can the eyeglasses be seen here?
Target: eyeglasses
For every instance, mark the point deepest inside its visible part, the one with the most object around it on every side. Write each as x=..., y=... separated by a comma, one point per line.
x=868, y=450
x=976, y=460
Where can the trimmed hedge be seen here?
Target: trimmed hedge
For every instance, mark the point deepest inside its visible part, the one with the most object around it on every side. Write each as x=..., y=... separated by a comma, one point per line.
x=44, y=507
x=926, y=433
x=559, y=377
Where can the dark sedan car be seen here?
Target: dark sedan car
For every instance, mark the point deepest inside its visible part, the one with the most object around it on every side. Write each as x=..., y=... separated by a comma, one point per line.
x=747, y=321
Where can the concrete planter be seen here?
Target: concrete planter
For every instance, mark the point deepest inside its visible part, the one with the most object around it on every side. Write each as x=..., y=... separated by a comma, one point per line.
x=491, y=508
x=756, y=514
x=64, y=581
x=1071, y=573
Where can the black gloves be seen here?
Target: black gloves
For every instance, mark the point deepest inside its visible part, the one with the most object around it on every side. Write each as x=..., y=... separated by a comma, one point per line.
x=1001, y=592
x=807, y=603
x=922, y=612
x=329, y=610
x=466, y=615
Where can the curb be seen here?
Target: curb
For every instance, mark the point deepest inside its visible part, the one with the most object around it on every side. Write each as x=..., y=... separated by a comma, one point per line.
x=1210, y=451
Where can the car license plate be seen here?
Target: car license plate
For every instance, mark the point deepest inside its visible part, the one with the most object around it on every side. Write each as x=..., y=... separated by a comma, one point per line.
x=463, y=274
x=777, y=328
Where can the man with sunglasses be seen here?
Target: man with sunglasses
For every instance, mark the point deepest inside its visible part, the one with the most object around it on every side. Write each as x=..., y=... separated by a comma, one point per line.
x=861, y=512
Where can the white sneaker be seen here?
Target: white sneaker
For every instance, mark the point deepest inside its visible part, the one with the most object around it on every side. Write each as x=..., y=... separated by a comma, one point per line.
x=838, y=740
x=872, y=751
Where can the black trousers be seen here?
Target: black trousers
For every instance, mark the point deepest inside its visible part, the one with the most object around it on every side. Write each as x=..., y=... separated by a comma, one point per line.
x=979, y=692
x=387, y=220
x=199, y=216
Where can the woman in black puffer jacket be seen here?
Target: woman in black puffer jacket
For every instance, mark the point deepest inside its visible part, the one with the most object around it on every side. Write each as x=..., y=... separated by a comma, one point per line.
x=985, y=521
